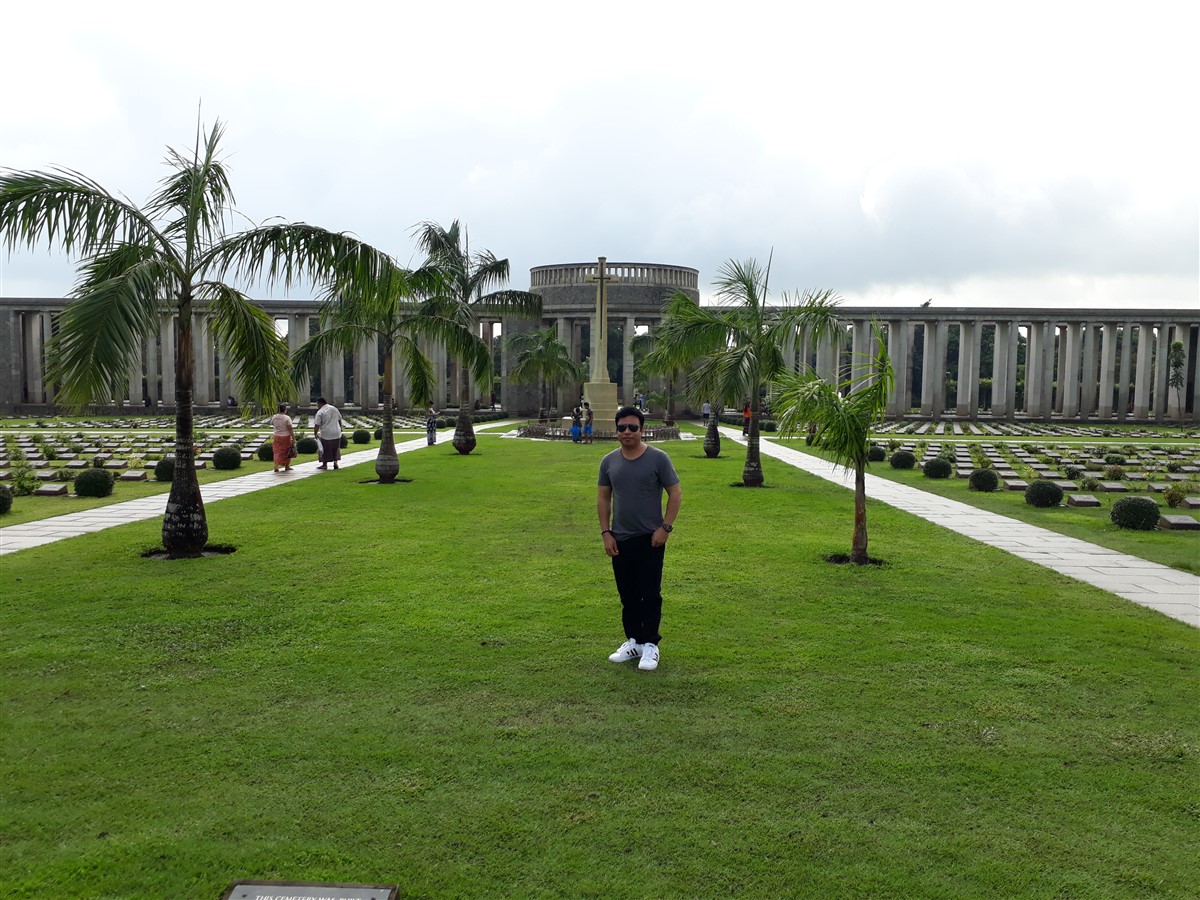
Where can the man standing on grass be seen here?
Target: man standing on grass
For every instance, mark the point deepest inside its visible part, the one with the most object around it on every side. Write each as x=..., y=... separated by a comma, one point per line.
x=635, y=538
x=327, y=426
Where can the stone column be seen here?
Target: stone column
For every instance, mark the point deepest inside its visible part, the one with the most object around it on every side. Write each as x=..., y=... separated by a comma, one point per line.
x=1126, y=365
x=1141, y=388
x=167, y=336
x=1068, y=369
x=860, y=354
x=1090, y=385
x=1039, y=370
x=827, y=359
x=897, y=339
x=1108, y=366
x=334, y=387
x=34, y=380
x=1058, y=376
x=627, y=336
x=1160, y=372
x=928, y=368
x=11, y=358
x=1002, y=397
x=967, y=335
x=941, y=339
x=136, y=397
x=151, y=343
x=202, y=377
x=366, y=373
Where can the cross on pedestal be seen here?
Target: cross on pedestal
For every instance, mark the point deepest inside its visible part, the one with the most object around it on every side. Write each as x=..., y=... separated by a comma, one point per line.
x=600, y=325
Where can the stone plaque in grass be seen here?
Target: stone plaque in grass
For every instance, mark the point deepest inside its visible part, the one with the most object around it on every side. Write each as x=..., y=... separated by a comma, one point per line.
x=200, y=464
x=1191, y=503
x=1113, y=487
x=51, y=490
x=1067, y=485
x=133, y=475
x=1157, y=487
x=79, y=464
x=1015, y=484
x=1176, y=476
x=46, y=475
x=1177, y=522
x=1082, y=500
x=116, y=464
x=5, y=475
x=39, y=464
x=309, y=890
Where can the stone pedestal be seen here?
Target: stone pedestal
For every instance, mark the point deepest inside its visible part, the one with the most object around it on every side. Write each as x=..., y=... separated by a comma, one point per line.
x=602, y=395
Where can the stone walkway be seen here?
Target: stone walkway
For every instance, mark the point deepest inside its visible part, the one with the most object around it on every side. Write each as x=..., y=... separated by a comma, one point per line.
x=1169, y=591
x=47, y=531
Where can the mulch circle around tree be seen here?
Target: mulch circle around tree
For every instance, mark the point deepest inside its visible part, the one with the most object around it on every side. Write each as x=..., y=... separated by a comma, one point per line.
x=209, y=550
x=843, y=559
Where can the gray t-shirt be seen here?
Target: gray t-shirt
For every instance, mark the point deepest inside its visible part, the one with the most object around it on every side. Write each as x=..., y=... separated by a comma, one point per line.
x=638, y=486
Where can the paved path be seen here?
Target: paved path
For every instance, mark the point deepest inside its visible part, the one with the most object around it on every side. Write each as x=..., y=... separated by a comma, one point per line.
x=46, y=531
x=1170, y=591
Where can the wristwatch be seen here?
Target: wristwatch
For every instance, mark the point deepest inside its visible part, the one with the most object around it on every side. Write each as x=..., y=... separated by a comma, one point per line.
x=667, y=528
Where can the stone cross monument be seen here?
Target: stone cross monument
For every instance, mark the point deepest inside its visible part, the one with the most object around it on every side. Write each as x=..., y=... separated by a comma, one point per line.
x=600, y=392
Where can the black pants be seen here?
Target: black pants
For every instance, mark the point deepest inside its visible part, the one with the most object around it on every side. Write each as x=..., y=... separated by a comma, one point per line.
x=638, y=570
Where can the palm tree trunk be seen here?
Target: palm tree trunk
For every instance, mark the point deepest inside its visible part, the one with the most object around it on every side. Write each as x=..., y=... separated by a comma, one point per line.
x=185, y=527
x=712, y=435
x=858, y=550
x=464, y=431
x=752, y=473
x=387, y=463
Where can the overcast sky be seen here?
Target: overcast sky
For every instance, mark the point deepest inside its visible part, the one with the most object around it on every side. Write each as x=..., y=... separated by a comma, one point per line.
x=1024, y=154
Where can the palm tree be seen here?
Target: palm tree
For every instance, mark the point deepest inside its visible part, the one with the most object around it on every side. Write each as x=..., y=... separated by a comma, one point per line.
x=843, y=415
x=738, y=345
x=171, y=254
x=540, y=356
x=394, y=312
x=462, y=278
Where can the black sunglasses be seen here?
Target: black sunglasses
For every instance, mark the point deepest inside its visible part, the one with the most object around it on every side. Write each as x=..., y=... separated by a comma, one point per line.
x=632, y=427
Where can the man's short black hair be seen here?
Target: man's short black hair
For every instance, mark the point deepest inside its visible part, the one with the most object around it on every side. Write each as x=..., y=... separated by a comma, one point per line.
x=626, y=411
x=320, y=400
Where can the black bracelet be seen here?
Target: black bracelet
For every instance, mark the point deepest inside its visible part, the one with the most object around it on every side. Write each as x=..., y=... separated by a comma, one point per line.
x=604, y=531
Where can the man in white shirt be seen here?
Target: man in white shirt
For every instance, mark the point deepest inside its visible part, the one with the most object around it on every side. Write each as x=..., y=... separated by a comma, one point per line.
x=327, y=425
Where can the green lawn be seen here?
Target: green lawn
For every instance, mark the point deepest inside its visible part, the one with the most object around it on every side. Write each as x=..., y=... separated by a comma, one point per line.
x=408, y=684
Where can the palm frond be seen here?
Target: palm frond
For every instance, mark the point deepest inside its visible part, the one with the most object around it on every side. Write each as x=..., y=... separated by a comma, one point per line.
x=119, y=300
x=256, y=351
x=419, y=374
x=71, y=211
x=518, y=304
x=197, y=193
x=331, y=340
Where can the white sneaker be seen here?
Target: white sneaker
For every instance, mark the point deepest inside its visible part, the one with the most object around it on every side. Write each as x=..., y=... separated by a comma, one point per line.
x=649, y=658
x=631, y=649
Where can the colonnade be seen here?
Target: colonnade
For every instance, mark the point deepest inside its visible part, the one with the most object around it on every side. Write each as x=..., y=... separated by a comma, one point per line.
x=570, y=335
x=1102, y=365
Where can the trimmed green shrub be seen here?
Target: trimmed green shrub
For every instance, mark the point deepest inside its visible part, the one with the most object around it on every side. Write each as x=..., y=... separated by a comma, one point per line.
x=379, y=434
x=1043, y=493
x=1135, y=513
x=1089, y=483
x=1073, y=472
x=875, y=453
x=361, y=436
x=1114, y=459
x=984, y=480
x=1114, y=473
x=306, y=445
x=903, y=459
x=938, y=467
x=6, y=496
x=266, y=452
x=1175, y=493
x=344, y=442
x=226, y=458
x=1174, y=466
x=93, y=483
x=164, y=469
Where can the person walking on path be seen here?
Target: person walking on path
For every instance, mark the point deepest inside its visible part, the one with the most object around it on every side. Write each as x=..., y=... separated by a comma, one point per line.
x=283, y=439
x=431, y=426
x=327, y=425
x=635, y=530
x=705, y=410
x=589, y=418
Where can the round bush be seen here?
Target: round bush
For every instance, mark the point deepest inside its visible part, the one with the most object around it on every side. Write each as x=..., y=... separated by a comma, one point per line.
x=5, y=498
x=266, y=453
x=93, y=483
x=1114, y=459
x=875, y=453
x=379, y=434
x=1089, y=483
x=227, y=458
x=1136, y=513
x=344, y=442
x=164, y=469
x=1043, y=493
x=1174, y=466
x=306, y=445
x=1073, y=472
x=938, y=467
x=1175, y=493
x=903, y=459
x=984, y=480
x=362, y=436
